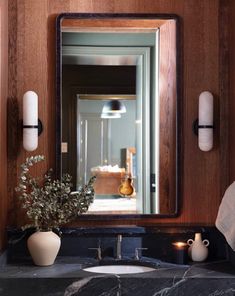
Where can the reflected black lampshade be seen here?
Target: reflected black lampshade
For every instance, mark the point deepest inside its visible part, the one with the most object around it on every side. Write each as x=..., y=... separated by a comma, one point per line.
x=114, y=106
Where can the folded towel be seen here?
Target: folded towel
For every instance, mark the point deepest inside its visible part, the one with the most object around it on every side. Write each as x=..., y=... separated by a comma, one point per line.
x=225, y=220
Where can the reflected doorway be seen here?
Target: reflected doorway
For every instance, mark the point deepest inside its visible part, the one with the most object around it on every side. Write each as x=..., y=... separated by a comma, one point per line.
x=108, y=150
x=103, y=144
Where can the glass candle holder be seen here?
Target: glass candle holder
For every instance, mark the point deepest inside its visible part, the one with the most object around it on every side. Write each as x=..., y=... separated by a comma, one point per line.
x=180, y=251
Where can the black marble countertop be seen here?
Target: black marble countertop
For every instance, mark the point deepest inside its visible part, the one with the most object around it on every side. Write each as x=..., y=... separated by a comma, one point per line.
x=66, y=277
x=66, y=267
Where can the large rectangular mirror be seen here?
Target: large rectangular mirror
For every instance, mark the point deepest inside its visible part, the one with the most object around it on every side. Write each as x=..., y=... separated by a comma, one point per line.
x=117, y=110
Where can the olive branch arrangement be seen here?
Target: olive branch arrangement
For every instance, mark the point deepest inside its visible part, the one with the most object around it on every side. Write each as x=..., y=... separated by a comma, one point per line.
x=50, y=203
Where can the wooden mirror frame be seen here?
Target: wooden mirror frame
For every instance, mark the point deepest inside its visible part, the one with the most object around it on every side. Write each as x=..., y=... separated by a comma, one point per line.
x=171, y=89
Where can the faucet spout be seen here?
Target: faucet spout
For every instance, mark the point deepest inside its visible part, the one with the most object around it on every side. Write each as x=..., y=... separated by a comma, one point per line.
x=99, y=254
x=119, y=247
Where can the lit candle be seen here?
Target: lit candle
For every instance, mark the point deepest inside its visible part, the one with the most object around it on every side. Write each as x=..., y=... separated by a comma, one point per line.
x=179, y=245
x=180, y=250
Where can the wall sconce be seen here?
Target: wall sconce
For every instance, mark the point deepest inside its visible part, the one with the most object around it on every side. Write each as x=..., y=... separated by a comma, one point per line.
x=32, y=126
x=114, y=106
x=203, y=126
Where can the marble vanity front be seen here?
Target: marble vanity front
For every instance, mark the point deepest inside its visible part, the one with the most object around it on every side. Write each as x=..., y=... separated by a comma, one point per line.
x=67, y=277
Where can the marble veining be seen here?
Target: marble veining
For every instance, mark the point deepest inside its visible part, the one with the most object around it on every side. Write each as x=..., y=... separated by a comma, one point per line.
x=66, y=277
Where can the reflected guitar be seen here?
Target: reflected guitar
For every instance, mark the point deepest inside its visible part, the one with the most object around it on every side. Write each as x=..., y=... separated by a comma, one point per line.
x=126, y=188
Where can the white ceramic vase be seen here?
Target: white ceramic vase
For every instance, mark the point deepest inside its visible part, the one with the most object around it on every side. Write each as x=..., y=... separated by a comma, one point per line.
x=43, y=247
x=198, y=248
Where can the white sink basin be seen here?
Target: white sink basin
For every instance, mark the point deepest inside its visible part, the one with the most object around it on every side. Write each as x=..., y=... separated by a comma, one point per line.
x=119, y=269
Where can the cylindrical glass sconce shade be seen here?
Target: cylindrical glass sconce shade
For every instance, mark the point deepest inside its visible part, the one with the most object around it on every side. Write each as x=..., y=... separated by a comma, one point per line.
x=205, y=121
x=30, y=121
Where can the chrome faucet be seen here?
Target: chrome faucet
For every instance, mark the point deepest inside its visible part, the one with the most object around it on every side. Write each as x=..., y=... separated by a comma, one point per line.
x=119, y=247
x=99, y=251
x=137, y=256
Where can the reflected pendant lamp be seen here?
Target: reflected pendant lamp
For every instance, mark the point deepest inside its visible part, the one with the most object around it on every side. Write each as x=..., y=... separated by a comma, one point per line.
x=114, y=106
x=110, y=115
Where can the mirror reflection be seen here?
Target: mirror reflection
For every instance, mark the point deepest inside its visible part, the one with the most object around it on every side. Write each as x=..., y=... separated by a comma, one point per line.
x=113, y=117
x=107, y=137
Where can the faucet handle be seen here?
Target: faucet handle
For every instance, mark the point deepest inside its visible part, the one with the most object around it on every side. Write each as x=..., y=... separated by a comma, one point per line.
x=137, y=257
x=99, y=255
x=119, y=237
x=119, y=247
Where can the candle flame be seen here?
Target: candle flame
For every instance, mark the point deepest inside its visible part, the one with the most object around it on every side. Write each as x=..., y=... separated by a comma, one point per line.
x=180, y=244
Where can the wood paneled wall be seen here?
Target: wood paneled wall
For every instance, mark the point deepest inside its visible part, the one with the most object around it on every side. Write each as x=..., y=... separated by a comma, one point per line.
x=231, y=52
x=32, y=67
x=3, y=117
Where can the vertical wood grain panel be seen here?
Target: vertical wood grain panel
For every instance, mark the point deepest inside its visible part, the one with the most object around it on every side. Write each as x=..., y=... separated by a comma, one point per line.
x=167, y=98
x=201, y=192
x=200, y=64
x=231, y=32
x=3, y=108
x=224, y=63
x=12, y=111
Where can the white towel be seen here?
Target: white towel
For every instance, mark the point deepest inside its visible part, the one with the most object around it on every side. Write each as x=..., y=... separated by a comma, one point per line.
x=225, y=220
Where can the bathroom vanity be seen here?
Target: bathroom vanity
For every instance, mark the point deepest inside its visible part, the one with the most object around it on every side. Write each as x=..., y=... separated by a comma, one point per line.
x=68, y=277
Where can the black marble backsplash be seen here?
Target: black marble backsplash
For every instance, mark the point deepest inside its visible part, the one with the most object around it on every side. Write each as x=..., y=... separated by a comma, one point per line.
x=157, y=240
